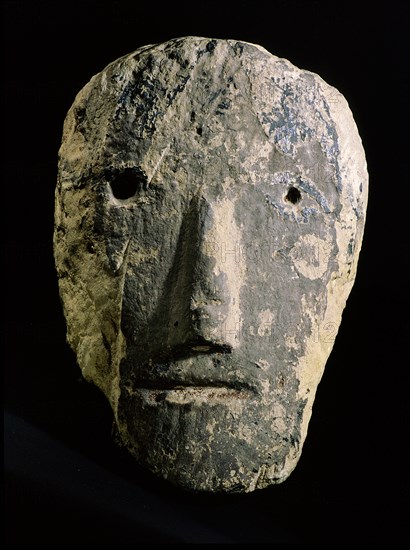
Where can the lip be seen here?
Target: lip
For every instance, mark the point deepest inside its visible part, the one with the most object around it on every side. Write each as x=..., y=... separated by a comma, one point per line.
x=180, y=394
x=198, y=372
x=166, y=385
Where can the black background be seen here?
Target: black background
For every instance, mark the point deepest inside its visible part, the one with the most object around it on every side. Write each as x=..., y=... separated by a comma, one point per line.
x=66, y=481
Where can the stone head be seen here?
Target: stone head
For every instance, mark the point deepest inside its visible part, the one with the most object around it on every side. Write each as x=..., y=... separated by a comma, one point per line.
x=209, y=215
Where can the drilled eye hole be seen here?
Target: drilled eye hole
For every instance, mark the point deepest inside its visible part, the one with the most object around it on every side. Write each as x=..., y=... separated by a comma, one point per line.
x=127, y=183
x=293, y=195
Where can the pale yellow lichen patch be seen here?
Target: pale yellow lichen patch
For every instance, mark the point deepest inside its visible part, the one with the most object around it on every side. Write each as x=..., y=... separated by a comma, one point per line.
x=206, y=395
x=310, y=256
x=291, y=343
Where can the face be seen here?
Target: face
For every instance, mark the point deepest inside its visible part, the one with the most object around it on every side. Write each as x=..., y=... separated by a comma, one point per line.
x=204, y=241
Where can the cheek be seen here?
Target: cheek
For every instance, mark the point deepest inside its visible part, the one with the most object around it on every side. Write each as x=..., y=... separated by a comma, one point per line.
x=138, y=232
x=288, y=266
x=141, y=252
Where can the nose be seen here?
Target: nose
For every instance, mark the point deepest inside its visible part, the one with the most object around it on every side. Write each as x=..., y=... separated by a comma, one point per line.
x=205, y=306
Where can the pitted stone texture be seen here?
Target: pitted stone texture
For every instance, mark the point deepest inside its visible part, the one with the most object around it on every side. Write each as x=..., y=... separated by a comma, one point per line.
x=209, y=215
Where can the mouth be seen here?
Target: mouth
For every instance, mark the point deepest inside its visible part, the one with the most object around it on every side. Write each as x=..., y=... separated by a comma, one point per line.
x=182, y=391
x=200, y=372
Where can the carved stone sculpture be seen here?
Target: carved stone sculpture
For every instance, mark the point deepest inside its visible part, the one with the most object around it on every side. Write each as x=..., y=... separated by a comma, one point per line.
x=209, y=215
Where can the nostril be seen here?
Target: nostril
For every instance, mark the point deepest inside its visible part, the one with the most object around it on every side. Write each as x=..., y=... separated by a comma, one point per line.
x=209, y=347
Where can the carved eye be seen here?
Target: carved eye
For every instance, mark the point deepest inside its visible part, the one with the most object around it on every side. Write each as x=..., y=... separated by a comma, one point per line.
x=293, y=195
x=127, y=183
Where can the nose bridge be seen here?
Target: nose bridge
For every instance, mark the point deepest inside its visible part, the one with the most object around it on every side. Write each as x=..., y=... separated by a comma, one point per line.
x=219, y=241
x=215, y=300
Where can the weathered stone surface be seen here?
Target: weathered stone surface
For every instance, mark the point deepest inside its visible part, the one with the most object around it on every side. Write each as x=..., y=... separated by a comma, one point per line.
x=209, y=215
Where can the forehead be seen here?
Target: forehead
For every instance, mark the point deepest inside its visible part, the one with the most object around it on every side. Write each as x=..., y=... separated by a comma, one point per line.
x=193, y=104
x=207, y=111
x=210, y=103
